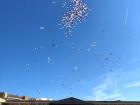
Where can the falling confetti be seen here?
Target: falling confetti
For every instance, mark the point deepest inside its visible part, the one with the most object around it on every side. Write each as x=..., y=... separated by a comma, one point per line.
x=88, y=49
x=111, y=70
x=50, y=61
x=106, y=59
x=62, y=84
x=35, y=48
x=42, y=28
x=126, y=16
x=74, y=16
x=78, y=51
x=79, y=80
x=54, y=45
x=75, y=68
x=64, y=4
x=96, y=54
x=53, y=2
x=28, y=66
x=118, y=59
x=39, y=91
x=72, y=47
x=93, y=44
x=110, y=54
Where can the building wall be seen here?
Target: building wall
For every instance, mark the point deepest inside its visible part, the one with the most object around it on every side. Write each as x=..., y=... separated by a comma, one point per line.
x=3, y=95
x=26, y=103
x=45, y=103
x=2, y=100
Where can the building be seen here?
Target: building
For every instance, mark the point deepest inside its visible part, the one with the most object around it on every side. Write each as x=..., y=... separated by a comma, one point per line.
x=2, y=100
x=6, y=96
x=67, y=101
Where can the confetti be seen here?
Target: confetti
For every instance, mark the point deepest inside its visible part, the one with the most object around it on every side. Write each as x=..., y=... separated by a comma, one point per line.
x=35, y=48
x=75, y=68
x=78, y=50
x=88, y=49
x=28, y=65
x=42, y=28
x=64, y=4
x=110, y=54
x=72, y=47
x=54, y=45
x=53, y=2
x=106, y=59
x=93, y=44
x=78, y=12
x=39, y=91
x=111, y=70
x=50, y=61
x=126, y=16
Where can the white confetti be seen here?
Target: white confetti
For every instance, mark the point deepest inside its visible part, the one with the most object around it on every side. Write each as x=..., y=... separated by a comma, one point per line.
x=126, y=16
x=73, y=17
x=53, y=2
x=93, y=44
x=50, y=61
x=42, y=28
x=75, y=68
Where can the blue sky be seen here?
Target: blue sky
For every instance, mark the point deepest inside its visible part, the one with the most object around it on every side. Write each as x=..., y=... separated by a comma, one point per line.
x=43, y=63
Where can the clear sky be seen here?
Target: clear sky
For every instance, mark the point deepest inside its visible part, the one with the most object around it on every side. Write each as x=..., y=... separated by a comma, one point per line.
x=37, y=60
